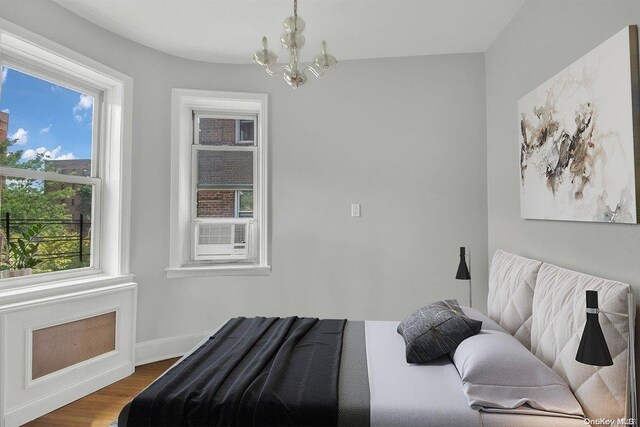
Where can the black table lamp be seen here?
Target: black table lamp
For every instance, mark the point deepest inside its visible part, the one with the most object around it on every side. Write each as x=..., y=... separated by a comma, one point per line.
x=463, y=271
x=593, y=349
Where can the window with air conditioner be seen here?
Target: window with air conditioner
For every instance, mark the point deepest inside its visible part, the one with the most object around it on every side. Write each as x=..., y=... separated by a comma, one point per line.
x=223, y=185
x=219, y=206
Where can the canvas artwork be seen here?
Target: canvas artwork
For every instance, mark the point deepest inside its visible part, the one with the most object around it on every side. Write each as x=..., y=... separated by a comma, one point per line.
x=578, y=138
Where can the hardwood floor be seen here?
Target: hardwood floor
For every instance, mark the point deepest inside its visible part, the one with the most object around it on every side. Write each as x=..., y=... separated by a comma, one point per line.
x=99, y=409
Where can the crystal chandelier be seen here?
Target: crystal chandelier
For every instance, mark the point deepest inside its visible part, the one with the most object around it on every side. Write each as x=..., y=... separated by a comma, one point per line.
x=292, y=39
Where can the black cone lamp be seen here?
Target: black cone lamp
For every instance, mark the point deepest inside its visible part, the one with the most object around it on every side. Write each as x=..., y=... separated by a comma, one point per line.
x=463, y=271
x=593, y=349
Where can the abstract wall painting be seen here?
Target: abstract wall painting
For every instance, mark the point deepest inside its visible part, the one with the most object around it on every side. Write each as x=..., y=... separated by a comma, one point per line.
x=579, y=136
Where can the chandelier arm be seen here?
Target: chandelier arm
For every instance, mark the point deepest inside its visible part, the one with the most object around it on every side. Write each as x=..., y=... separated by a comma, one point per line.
x=271, y=72
x=319, y=74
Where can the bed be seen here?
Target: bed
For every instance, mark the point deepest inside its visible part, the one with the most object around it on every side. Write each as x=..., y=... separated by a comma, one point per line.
x=354, y=373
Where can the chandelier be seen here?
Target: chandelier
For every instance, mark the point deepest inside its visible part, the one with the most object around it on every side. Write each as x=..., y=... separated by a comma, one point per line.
x=292, y=39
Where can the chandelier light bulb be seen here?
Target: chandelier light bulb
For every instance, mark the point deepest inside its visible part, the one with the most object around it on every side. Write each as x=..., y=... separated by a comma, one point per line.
x=324, y=60
x=264, y=56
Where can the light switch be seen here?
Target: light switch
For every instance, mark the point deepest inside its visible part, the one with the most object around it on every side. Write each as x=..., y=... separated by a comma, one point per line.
x=355, y=209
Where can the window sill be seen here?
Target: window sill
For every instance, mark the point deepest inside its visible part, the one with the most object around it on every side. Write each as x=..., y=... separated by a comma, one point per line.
x=23, y=282
x=12, y=297
x=218, y=270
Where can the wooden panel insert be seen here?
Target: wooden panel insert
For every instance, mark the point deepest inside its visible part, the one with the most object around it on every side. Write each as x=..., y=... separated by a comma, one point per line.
x=60, y=346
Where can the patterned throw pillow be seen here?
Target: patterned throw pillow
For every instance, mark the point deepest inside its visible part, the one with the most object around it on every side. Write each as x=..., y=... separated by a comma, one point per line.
x=435, y=330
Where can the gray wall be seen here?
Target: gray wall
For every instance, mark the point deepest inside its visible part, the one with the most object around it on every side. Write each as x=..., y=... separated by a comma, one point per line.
x=542, y=39
x=404, y=137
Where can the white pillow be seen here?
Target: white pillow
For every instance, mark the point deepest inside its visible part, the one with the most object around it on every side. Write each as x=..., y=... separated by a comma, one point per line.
x=487, y=323
x=500, y=375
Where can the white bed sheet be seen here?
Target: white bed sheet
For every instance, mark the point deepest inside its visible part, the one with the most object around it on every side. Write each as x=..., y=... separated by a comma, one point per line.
x=407, y=395
x=404, y=394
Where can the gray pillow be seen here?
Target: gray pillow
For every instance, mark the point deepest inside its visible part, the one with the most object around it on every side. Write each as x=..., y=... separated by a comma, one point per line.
x=499, y=374
x=435, y=330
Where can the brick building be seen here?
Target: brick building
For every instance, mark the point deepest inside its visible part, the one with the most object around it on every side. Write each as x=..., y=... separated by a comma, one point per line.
x=225, y=178
x=81, y=202
x=215, y=131
x=4, y=125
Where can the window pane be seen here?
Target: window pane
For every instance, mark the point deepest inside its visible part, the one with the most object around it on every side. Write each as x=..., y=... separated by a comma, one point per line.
x=44, y=126
x=221, y=174
x=217, y=131
x=246, y=131
x=245, y=202
x=48, y=225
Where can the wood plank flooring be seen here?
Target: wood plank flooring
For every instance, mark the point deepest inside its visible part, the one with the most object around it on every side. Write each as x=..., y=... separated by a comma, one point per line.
x=99, y=409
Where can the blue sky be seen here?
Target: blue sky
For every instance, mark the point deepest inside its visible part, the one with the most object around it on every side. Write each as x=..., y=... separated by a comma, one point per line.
x=46, y=118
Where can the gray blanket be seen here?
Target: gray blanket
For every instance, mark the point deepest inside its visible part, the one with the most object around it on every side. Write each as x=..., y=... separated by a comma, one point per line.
x=353, y=386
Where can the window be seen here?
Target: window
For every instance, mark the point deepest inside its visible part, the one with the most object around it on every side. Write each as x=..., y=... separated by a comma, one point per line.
x=245, y=130
x=244, y=204
x=48, y=131
x=222, y=175
x=223, y=171
x=63, y=117
x=219, y=207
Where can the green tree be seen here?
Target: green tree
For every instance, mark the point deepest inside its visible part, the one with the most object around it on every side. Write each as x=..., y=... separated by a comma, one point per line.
x=28, y=199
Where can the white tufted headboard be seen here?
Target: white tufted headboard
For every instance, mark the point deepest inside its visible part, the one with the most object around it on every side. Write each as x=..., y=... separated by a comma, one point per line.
x=512, y=281
x=559, y=316
x=544, y=307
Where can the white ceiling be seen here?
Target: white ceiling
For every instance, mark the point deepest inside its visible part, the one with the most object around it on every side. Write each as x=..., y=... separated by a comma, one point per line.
x=229, y=31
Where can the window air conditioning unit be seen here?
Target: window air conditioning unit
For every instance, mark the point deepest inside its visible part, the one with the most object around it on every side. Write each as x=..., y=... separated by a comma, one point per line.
x=223, y=240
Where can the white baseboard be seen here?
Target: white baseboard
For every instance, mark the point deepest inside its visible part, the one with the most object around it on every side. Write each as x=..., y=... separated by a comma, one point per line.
x=35, y=409
x=166, y=348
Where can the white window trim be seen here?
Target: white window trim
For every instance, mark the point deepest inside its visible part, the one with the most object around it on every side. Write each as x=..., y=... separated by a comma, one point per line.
x=24, y=49
x=183, y=103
